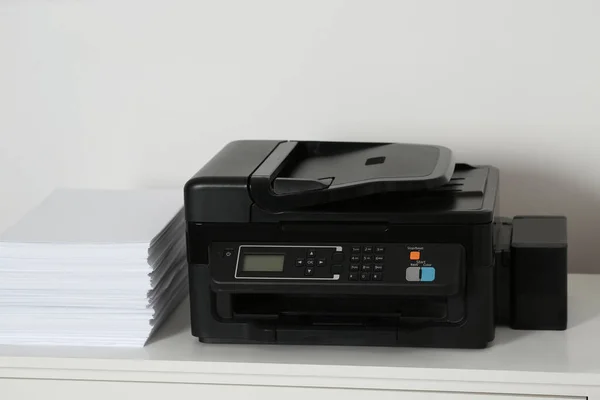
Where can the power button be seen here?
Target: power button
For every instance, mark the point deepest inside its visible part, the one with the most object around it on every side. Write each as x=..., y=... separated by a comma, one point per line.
x=228, y=252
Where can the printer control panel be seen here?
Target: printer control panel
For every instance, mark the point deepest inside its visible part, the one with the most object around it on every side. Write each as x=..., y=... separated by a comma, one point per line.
x=348, y=263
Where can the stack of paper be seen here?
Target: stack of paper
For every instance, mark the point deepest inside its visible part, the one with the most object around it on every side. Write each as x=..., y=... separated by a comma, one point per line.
x=93, y=268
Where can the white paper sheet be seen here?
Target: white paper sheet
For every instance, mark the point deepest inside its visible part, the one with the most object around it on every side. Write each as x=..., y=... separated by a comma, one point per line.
x=93, y=268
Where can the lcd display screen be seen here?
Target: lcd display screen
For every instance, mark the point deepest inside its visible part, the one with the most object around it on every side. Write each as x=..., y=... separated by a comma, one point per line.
x=262, y=263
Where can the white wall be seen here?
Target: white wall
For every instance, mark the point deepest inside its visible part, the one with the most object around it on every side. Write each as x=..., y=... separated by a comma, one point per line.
x=124, y=93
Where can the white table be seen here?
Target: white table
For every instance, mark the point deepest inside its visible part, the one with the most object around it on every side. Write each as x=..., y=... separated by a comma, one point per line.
x=523, y=364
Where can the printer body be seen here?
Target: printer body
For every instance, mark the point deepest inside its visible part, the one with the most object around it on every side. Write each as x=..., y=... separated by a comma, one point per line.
x=379, y=244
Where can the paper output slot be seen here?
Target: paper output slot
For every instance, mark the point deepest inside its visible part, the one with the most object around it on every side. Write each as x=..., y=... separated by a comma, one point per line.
x=338, y=310
x=341, y=227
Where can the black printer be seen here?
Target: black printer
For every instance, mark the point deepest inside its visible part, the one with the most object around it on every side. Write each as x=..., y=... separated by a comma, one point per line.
x=383, y=244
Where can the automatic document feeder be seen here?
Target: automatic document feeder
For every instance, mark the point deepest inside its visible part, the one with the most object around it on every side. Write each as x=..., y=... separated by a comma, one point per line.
x=364, y=244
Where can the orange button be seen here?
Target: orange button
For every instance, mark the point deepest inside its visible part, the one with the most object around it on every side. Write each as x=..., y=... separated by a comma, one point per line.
x=415, y=255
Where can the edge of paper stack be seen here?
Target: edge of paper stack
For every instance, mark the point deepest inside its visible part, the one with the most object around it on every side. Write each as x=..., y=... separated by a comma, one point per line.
x=93, y=267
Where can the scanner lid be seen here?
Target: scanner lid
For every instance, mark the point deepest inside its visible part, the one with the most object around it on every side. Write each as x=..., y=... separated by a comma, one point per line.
x=299, y=174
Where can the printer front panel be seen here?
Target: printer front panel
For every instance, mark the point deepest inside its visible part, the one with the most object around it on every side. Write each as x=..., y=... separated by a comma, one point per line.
x=268, y=283
x=417, y=269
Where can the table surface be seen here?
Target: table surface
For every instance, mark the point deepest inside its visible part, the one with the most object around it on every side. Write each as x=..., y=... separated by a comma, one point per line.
x=540, y=356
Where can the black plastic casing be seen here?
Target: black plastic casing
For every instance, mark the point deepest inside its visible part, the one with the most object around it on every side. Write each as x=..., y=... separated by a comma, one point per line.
x=219, y=208
x=538, y=273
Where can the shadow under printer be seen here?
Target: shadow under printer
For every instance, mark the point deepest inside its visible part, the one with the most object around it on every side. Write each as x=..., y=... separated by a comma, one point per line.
x=378, y=244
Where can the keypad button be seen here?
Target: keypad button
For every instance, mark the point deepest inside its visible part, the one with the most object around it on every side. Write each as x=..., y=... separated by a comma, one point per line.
x=368, y=249
x=377, y=276
x=338, y=257
x=310, y=262
x=379, y=249
x=379, y=258
x=378, y=268
x=355, y=259
x=367, y=268
x=300, y=262
x=311, y=253
x=355, y=249
x=353, y=276
x=413, y=274
x=427, y=274
x=365, y=276
x=354, y=267
x=309, y=271
x=336, y=269
x=321, y=262
x=367, y=258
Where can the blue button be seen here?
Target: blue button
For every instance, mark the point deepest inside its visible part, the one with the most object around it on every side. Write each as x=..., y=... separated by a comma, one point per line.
x=427, y=274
